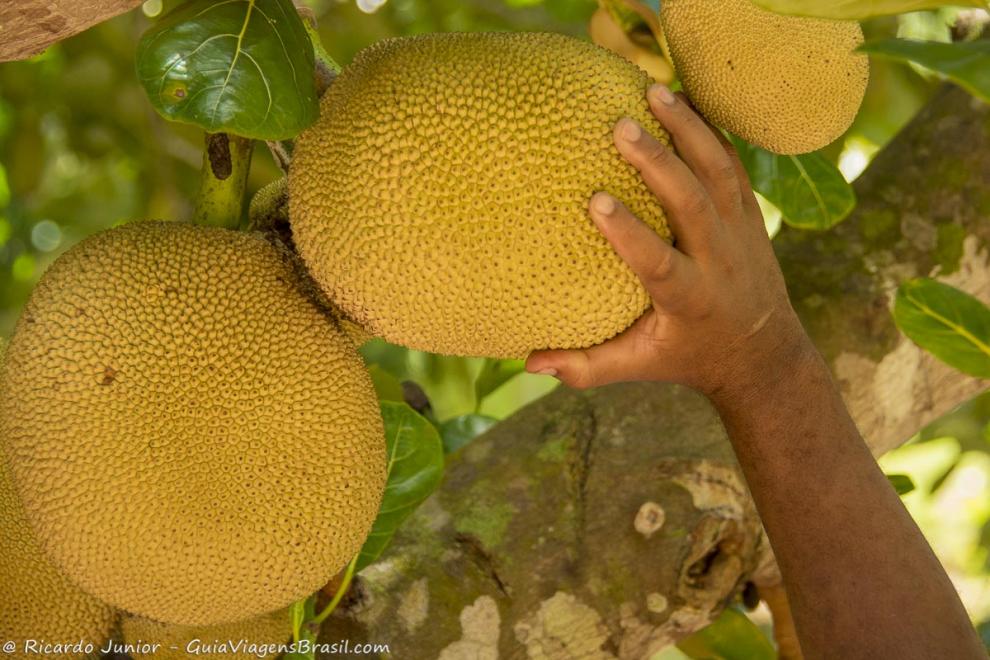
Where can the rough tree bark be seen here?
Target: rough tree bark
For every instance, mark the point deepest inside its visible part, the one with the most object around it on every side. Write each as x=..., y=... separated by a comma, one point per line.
x=27, y=27
x=609, y=523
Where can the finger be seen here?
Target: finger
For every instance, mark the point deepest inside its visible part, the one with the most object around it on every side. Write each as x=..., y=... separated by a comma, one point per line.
x=689, y=208
x=619, y=359
x=750, y=205
x=663, y=270
x=698, y=146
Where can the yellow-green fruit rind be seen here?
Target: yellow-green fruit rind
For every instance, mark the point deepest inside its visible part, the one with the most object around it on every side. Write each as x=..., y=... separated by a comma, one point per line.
x=37, y=603
x=193, y=440
x=259, y=637
x=785, y=83
x=441, y=199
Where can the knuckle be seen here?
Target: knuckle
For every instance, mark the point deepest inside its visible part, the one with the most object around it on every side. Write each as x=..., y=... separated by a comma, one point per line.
x=696, y=203
x=687, y=116
x=658, y=156
x=731, y=152
x=661, y=270
x=582, y=380
x=724, y=169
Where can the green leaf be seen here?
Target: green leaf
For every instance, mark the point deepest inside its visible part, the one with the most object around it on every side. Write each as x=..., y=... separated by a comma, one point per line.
x=810, y=192
x=415, y=468
x=858, y=9
x=387, y=386
x=942, y=478
x=301, y=613
x=494, y=374
x=240, y=66
x=732, y=636
x=966, y=63
x=459, y=431
x=297, y=615
x=948, y=323
x=902, y=483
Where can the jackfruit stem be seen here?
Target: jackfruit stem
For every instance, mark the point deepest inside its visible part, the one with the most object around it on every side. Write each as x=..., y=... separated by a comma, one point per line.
x=226, y=161
x=345, y=584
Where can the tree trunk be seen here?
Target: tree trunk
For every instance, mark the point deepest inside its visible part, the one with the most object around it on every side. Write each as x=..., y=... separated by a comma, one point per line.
x=610, y=523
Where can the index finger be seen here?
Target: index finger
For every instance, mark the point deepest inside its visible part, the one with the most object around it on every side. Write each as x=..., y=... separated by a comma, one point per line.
x=663, y=270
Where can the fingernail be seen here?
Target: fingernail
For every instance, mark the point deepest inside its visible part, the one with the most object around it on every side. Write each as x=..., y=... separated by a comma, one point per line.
x=549, y=371
x=663, y=94
x=603, y=203
x=630, y=130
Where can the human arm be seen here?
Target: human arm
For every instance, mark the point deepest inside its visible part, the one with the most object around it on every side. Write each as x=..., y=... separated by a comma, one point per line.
x=861, y=579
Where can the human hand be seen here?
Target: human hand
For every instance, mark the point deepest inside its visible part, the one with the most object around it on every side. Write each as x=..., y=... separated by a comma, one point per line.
x=721, y=321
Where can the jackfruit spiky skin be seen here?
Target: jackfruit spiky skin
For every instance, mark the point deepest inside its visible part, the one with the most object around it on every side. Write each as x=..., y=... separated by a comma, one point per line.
x=37, y=602
x=441, y=200
x=788, y=84
x=267, y=631
x=193, y=440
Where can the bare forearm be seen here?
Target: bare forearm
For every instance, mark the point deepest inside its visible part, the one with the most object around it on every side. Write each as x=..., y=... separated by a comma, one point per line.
x=862, y=580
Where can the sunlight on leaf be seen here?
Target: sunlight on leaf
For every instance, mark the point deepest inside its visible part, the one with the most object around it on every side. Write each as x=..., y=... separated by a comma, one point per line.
x=494, y=374
x=948, y=323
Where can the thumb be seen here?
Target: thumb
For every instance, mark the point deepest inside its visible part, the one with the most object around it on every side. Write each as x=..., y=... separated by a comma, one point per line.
x=616, y=360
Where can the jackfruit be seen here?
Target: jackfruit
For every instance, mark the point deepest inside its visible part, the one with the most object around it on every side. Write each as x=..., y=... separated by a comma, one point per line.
x=441, y=199
x=39, y=605
x=194, y=441
x=785, y=83
x=255, y=638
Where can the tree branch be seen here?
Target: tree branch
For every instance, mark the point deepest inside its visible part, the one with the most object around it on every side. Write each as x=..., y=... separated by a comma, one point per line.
x=27, y=27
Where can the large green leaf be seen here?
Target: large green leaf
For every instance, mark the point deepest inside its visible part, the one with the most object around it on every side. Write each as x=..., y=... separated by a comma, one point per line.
x=732, y=636
x=810, y=192
x=415, y=468
x=858, y=9
x=966, y=63
x=948, y=323
x=237, y=66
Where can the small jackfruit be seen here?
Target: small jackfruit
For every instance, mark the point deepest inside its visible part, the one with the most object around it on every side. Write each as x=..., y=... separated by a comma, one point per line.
x=39, y=605
x=194, y=441
x=255, y=638
x=788, y=84
x=441, y=199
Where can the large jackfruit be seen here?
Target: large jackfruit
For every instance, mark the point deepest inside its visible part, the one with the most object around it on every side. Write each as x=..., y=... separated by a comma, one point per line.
x=253, y=639
x=37, y=603
x=441, y=199
x=193, y=440
x=786, y=83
